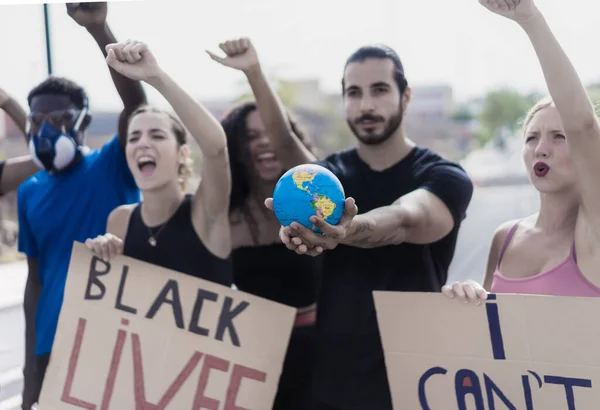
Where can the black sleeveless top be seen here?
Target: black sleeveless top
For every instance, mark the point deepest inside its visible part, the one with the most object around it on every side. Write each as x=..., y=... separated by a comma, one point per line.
x=276, y=273
x=178, y=247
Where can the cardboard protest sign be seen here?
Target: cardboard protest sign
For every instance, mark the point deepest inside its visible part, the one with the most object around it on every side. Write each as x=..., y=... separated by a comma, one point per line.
x=132, y=335
x=513, y=352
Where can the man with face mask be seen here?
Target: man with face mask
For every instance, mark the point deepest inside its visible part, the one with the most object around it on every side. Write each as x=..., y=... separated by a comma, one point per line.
x=71, y=198
x=412, y=202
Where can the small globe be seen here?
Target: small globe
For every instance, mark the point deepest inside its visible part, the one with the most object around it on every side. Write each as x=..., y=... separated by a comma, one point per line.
x=308, y=190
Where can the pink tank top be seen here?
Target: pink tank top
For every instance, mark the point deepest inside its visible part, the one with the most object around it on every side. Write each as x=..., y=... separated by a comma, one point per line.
x=565, y=279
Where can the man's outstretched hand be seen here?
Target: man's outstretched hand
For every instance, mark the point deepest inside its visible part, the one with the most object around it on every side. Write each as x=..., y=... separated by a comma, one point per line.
x=304, y=241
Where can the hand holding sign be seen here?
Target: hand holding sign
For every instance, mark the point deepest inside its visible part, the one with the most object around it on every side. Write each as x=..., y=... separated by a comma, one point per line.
x=239, y=54
x=105, y=247
x=135, y=335
x=468, y=292
x=518, y=10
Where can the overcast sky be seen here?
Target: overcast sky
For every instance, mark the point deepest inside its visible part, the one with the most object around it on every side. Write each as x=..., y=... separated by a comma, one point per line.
x=439, y=41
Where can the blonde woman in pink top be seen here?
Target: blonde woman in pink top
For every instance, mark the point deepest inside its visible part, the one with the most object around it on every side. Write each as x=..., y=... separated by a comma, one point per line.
x=557, y=250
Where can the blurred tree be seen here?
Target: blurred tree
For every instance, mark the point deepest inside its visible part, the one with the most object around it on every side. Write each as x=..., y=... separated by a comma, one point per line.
x=463, y=114
x=503, y=108
x=288, y=91
x=594, y=93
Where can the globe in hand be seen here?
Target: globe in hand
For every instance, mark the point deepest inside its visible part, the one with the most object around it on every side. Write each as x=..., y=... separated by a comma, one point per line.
x=308, y=190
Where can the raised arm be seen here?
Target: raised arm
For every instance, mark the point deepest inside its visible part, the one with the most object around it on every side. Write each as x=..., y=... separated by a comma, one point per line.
x=211, y=200
x=14, y=110
x=568, y=94
x=92, y=16
x=14, y=171
x=241, y=55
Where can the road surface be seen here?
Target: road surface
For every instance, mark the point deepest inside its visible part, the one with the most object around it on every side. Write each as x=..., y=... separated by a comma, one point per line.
x=12, y=329
x=489, y=208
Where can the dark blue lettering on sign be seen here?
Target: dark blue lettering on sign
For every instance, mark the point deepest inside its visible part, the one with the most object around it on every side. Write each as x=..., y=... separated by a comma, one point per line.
x=468, y=384
x=495, y=330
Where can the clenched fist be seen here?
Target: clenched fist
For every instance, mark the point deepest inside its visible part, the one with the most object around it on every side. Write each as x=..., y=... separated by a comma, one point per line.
x=133, y=59
x=517, y=10
x=239, y=54
x=88, y=15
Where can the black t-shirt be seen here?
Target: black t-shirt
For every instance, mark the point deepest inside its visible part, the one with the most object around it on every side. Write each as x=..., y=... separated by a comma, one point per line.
x=273, y=272
x=350, y=372
x=1, y=169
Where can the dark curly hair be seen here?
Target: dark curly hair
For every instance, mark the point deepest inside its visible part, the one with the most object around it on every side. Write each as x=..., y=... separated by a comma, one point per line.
x=60, y=86
x=242, y=169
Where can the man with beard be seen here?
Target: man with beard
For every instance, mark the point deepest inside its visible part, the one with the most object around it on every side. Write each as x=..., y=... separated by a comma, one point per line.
x=412, y=203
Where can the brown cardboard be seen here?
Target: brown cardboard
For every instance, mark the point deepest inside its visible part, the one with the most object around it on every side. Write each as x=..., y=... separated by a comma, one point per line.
x=548, y=344
x=175, y=368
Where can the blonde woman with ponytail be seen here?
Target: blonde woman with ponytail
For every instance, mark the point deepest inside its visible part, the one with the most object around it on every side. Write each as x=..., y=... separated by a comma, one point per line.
x=189, y=233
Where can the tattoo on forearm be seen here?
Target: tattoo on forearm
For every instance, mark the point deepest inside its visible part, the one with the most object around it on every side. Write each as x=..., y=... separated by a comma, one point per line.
x=363, y=226
x=368, y=237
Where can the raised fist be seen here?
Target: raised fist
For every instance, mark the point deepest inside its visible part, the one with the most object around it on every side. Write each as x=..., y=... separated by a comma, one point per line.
x=88, y=15
x=239, y=54
x=133, y=59
x=517, y=10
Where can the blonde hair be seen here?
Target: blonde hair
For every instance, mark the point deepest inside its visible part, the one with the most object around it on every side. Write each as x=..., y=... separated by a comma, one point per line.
x=545, y=103
x=185, y=171
x=537, y=107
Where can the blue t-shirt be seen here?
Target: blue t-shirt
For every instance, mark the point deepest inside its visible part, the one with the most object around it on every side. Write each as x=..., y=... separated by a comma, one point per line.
x=56, y=210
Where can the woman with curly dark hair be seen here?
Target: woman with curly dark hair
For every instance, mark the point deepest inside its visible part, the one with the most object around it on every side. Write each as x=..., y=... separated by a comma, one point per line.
x=262, y=264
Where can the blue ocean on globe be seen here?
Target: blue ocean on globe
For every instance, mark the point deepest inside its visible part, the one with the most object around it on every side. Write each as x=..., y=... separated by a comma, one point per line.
x=308, y=190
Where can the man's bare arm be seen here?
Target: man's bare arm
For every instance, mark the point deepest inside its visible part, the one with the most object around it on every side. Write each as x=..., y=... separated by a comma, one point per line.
x=32, y=294
x=16, y=113
x=15, y=171
x=419, y=217
x=131, y=92
x=92, y=16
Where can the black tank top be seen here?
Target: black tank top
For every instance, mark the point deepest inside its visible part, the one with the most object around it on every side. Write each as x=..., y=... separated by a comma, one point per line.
x=178, y=246
x=278, y=274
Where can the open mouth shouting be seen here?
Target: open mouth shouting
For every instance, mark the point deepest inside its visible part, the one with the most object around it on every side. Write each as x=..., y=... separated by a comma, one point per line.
x=541, y=169
x=146, y=165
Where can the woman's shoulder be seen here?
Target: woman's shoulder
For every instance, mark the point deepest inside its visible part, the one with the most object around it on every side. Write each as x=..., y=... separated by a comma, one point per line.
x=118, y=220
x=503, y=230
x=123, y=211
